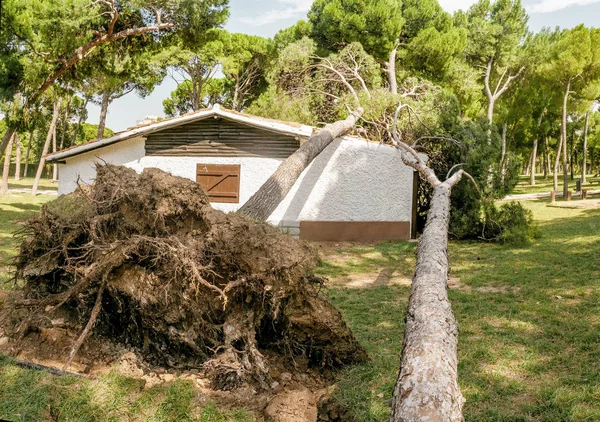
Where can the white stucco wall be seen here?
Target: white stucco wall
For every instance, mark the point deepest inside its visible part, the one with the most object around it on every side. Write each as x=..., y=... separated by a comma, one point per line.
x=351, y=180
x=84, y=165
x=253, y=171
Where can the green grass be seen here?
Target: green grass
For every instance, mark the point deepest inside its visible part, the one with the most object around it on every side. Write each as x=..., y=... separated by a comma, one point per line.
x=546, y=185
x=27, y=183
x=30, y=395
x=528, y=346
x=13, y=209
x=529, y=325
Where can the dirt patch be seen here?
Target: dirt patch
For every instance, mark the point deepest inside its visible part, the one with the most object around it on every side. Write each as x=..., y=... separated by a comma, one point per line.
x=293, y=406
x=381, y=277
x=455, y=283
x=142, y=260
x=581, y=204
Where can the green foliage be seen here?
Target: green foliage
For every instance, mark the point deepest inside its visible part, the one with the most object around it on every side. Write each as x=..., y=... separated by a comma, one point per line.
x=89, y=131
x=375, y=24
x=213, y=91
x=511, y=223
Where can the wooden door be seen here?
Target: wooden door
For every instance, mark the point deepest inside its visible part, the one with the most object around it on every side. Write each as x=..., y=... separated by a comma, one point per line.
x=220, y=181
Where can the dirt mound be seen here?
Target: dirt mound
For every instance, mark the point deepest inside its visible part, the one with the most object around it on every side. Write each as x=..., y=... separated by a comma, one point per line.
x=143, y=260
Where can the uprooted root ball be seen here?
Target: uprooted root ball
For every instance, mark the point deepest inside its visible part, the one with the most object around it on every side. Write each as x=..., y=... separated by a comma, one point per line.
x=143, y=259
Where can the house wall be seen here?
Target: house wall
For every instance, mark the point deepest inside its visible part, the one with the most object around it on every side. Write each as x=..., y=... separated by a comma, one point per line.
x=352, y=180
x=83, y=166
x=253, y=171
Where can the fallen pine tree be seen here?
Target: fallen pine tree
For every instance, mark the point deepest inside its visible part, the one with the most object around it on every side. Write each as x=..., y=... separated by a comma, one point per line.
x=143, y=260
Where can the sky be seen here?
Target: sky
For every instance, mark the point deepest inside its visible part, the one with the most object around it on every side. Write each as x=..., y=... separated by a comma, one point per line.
x=266, y=17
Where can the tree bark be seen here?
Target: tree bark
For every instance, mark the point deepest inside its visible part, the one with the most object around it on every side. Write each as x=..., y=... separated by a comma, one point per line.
x=54, y=165
x=10, y=131
x=51, y=129
x=391, y=71
x=533, y=161
x=546, y=158
x=262, y=204
x=427, y=385
x=556, y=162
x=564, y=141
x=26, y=172
x=103, y=112
x=18, y=158
x=6, y=169
x=585, y=148
x=503, y=154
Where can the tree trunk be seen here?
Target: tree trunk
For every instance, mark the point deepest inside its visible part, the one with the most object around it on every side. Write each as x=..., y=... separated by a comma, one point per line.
x=556, y=162
x=427, y=387
x=262, y=204
x=6, y=169
x=391, y=71
x=54, y=165
x=564, y=141
x=546, y=158
x=527, y=169
x=8, y=134
x=25, y=173
x=585, y=148
x=533, y=161
x=18, y=158
x=51, y=129
x=503, y=155
x=103, y=112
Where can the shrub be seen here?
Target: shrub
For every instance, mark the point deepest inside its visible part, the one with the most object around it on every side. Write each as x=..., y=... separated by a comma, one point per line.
x=510, y=224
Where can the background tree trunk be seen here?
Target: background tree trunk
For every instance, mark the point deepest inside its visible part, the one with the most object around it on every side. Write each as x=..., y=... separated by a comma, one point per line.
x=503, y=154
x=54, y=165
x=25, y=173
x=427, y=387
x=585, y=148
x=51, y=129
x=6, y=169
x=262, y=204
x=563, y=135
x=391, y=71
x=533, y=162
x=18, y=158
x=546, y=158
x=556, y=162
x=103, y=112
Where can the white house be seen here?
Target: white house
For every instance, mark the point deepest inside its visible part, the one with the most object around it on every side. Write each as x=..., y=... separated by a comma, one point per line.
x=354, y=190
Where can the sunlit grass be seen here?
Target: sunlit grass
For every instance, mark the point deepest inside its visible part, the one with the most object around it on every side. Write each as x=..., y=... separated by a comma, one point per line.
x=546, y=185
x=528, y=347
x=529, y=325
x=13, y=209
x=27, y=183
x=29, y=395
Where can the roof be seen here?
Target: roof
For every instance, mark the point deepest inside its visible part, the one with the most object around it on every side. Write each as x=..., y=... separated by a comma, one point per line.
x=289, y=128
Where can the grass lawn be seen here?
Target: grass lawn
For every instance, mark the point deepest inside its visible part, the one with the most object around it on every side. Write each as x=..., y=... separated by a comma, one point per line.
x=27, y=183
x=529, y=317
x=13, y=208
x=546, y=185
x=529, y=344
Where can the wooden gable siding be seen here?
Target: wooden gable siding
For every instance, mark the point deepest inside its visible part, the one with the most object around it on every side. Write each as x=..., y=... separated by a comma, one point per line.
x=220, y=137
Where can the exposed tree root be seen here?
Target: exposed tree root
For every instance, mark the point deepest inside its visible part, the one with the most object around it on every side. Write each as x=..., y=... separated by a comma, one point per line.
x=148, y=262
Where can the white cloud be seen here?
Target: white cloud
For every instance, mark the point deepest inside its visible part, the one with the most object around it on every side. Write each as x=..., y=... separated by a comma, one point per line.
x=549, y=6
x=295, y=8
x=454, y=5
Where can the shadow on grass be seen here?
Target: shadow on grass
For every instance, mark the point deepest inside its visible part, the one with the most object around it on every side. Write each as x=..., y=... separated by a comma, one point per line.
x=528, y=345
x=28, y=395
